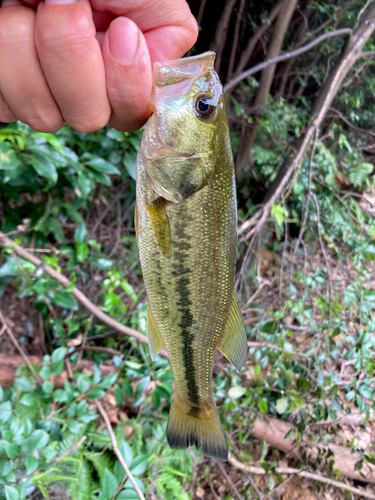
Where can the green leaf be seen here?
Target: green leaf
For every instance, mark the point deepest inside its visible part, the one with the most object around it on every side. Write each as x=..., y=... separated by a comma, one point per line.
x=10, y=268
x=65, y=299
x=29, y=444
x=110, y=484
x=73, y=426
x=44, y=168
x=11, y=449
x=23, y=384
x=108, y=381
x=47, y=387
x=49, y=453
x=42, y=438
x=103, y=263
x=126, y=452
x=31, y=464
x=236, y=392
x=282, y=405
x=83, y=382
x=80, y=234
x=139, y=464
x=60, y=396
x=10, y=492
x=8, y=158
x=82, y=251
x=1, y=393
x=128, y=494
x=45, y=372
x=28, y=400
x=95, y=393
x=58, y=354
x=100, y=165
x=56, y=228
x=86, y=184
x=5, y=467
x=130, y=163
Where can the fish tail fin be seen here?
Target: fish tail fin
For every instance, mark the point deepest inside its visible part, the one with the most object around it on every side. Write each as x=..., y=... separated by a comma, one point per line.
x=201, y=427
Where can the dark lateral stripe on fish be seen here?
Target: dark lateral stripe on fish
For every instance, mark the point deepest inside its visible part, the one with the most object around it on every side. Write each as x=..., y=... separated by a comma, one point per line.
x=181, y=269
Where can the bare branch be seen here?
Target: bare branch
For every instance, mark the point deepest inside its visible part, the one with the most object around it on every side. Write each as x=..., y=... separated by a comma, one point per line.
x=284, y=57
x=7, y=242
x=19, y=349
x=229, y=481
x=301, y=473
x=117, y=451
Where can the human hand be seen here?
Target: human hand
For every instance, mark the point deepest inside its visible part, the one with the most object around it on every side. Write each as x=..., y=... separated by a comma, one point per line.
x=86, y=62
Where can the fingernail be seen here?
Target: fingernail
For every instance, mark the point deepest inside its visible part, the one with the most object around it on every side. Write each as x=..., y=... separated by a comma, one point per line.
x=58, y=2
x=123, y=39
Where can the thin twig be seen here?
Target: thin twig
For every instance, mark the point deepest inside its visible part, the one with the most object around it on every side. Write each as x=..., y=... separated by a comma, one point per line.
x=284, y=57
x=117, y=451
x=276, y=348
x=230, y=482
x=19, y=349
x=66, y=452
x=308, y=475
x=90, y=348
x=80, y=354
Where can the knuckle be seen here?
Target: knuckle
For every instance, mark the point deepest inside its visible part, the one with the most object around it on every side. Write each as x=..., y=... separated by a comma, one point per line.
x=7, y=116
x=91, y=124
x=75, y=34
x=16, y=29
x=47, y=122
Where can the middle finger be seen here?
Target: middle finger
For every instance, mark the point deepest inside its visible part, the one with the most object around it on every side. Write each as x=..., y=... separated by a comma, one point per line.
x=72, y=62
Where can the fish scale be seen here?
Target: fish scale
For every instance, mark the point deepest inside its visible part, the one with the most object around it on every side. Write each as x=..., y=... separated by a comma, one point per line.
x=187, y=236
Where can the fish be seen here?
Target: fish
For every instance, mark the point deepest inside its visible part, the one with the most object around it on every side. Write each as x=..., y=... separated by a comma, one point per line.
x=186, y=229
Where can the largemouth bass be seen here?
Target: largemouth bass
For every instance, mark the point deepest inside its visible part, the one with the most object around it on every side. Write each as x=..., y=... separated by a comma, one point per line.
x=186, y=222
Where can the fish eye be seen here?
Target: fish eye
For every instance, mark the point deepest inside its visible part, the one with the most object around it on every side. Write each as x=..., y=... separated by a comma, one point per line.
x=203, y=107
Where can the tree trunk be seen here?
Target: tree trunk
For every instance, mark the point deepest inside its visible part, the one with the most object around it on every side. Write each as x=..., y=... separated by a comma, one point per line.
x=202, y=6
x=298, y=40
x=281, y=26
x=235, y=39
x=349, y=55
x=246, y=54
x=221, y=33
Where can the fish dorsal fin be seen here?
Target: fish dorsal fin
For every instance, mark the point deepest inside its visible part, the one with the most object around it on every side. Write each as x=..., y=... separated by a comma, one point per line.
x=155, y=341
x=160, y=226
x=233, y=344
x=136, y=221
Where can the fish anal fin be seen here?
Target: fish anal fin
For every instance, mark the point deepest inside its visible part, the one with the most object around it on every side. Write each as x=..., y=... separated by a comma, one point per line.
x=233, y=343
x=160, y=226
x=201, y=427
x=155, y=341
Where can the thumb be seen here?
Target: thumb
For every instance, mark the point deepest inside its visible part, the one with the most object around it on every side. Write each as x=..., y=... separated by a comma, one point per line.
x=128, y=74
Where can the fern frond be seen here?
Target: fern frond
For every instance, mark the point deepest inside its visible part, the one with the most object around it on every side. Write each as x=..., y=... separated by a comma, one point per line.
x=359, y=175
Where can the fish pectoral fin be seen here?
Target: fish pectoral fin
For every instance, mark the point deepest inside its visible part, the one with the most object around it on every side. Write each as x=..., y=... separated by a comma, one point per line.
x=160, y=226
x=233, y=344
x=202, y=428
x=155, y=341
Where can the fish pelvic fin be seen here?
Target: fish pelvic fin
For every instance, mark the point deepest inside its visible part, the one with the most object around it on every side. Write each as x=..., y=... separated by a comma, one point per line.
x=233, y=343
x=202, y=427
x=155, y=342
x=160, y=226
